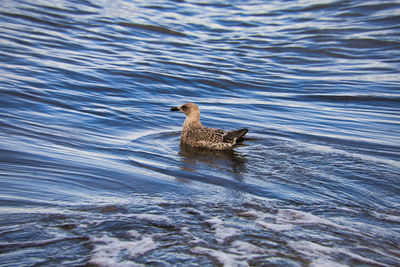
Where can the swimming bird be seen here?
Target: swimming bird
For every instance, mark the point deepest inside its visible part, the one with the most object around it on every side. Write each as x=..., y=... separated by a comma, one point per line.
x=194, y=134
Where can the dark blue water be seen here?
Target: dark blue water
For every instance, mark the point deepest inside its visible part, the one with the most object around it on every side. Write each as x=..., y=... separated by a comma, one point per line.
x=91, y=171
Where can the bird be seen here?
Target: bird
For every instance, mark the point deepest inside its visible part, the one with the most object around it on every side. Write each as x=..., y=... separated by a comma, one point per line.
x=194, y=134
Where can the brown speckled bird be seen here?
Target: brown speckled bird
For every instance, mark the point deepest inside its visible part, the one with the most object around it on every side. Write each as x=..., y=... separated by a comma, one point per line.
x=194, y=134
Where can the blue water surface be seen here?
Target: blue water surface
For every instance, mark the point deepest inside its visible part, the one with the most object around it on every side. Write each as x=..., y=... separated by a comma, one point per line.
x=91, y=170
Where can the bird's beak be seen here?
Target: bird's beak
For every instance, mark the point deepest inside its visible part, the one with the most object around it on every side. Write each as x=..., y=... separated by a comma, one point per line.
x=174, y=109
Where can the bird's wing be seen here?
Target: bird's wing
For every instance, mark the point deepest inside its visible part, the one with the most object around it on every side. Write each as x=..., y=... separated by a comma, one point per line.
x=208, y=134
x=234, y=136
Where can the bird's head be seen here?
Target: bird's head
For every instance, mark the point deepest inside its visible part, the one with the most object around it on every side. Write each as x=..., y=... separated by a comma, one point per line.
x=189, y=109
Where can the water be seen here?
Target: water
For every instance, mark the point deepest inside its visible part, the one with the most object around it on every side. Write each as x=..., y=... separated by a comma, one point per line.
x=91, y=168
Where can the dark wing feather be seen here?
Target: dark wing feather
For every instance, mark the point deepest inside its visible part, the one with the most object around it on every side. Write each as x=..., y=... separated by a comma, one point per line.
x=234, y=136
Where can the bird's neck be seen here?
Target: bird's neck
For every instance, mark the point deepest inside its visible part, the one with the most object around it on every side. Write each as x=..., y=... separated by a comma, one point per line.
x=192, y=121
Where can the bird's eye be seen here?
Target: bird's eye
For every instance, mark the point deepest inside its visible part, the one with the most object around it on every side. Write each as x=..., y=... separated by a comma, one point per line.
x=184, y=107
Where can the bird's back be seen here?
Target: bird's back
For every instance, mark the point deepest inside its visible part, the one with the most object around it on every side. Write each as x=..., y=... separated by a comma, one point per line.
x=211, y=138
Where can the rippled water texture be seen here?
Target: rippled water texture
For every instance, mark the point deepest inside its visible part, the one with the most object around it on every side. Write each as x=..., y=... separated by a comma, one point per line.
x=91, y=170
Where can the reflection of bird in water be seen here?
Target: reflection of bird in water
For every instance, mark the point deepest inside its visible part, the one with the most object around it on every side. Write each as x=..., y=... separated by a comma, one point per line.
x=230, y=160
x=194, y=134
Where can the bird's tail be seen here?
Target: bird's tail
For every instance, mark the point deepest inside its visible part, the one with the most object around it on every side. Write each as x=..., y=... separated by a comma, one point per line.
x=235, y=136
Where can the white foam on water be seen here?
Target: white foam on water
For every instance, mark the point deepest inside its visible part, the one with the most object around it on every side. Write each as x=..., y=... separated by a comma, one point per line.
x=226, y=259
x=251, y=214
x=214, y=221
x=108, y=250
x=274, y=226
x=300, y=217
x=256, y=214
x=323, y=262
x=286, y=219
x=246, y=248
x=195, y=240
x=194, y=211
x=365, y=228
x=321, y=253
x=222, y=233
x=387, y=217
x=155, y=218
x=312, y=249
x=134, y=233
x=111, y=262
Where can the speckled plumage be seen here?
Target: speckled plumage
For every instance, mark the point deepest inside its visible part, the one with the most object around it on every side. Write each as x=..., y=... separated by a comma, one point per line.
x=194, y=134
